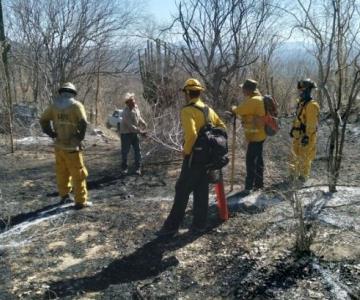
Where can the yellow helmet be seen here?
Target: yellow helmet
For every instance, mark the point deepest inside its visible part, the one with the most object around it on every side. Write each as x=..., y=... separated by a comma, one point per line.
x=193, y=84
x=68, y=87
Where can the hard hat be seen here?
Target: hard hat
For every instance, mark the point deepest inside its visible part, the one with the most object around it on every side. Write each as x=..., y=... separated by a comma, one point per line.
x=306, y=84
x=68, y=87
x=249, y=84
x=193, y=84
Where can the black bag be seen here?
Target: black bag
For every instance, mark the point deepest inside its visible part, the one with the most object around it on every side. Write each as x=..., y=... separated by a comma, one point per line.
x=210, y=148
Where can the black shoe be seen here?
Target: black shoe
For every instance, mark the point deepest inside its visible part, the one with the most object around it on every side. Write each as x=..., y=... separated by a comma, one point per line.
x=257, y=188
x=124, y=171
x=244, y=193
x=66, y=199
x=197, y=230
x=302, y=179
x=78, y=206
x=166, y=232
x=138, y=172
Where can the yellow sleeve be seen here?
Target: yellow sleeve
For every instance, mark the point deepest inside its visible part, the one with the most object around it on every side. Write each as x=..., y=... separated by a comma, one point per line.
x=189, y=128
x=46, y=117
x=250, y=107
x=243, y=109
x=81, y=112
x=217, y=121
x=312, y=118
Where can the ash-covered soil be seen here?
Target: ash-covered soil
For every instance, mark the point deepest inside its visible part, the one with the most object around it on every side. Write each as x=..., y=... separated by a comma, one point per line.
x=110, y=251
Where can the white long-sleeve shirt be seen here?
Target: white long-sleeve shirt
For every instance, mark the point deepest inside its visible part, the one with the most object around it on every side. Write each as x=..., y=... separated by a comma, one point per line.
x=131, y=120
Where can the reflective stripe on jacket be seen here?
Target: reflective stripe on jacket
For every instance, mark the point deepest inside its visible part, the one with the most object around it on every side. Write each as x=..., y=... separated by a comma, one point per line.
x=192, y=119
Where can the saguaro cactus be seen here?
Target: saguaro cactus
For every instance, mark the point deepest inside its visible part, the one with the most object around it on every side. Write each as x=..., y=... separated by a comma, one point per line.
x=156, y=69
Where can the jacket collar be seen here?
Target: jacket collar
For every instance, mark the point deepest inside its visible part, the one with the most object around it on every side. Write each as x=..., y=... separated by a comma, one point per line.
x=194, y=101
x=254, y=94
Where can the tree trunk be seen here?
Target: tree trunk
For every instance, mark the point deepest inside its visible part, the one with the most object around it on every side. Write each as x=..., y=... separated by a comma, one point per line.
x=334, y=155
x=97, y=96
x=5, y=50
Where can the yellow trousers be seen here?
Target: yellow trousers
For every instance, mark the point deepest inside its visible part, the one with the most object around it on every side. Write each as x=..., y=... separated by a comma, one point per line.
x=71, y=174
x=301, y=157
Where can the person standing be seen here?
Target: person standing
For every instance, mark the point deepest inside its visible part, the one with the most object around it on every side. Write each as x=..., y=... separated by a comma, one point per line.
x=65, y=121
x=252, y=112
x=303, y=132
x=193, y=177
x=131, y=126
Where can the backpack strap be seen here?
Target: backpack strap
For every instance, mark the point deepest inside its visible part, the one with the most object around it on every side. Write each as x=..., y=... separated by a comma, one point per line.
x=302, y=127
x=204, y=110
x=302, y=109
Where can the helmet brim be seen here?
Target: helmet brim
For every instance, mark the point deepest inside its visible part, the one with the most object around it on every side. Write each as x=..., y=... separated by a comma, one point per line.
x=61, y=90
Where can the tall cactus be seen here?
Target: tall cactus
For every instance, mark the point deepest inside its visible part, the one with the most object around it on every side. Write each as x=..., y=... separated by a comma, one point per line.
x=156, y=68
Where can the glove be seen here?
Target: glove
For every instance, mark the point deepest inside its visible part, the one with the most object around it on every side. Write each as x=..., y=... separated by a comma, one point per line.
x=52, y=134
x=81, y=130
x=47, y=129
x=291, y=133
x=305, y=140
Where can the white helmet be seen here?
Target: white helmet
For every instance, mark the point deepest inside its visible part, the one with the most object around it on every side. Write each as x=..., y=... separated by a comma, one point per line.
x=68, y=87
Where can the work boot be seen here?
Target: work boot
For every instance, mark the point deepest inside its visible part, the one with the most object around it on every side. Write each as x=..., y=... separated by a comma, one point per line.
x=291, y=178
x=257, y=188
x=195, y=230
x=244, y=193
x=78, y=206
x=166, y=232
x=302, y=179
x=66, y=199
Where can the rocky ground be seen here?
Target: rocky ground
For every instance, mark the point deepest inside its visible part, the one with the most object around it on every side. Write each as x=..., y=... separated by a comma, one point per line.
x=109, y=251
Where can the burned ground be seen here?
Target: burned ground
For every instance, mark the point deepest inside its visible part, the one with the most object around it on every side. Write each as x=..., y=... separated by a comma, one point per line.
x=109, y=251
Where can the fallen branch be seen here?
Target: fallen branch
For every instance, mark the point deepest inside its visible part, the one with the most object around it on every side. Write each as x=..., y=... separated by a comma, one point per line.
x=162, y=143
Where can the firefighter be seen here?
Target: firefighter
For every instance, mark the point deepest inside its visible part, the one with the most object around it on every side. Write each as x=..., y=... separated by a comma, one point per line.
x=252, y=112
x=193, y=177
x=303, y=132
x=65, y=121
x=132, y=124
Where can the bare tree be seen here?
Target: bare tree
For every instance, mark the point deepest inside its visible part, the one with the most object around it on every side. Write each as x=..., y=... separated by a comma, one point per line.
x=333, y=28
x=57, y=41
x=4, y=50
x=220, y=38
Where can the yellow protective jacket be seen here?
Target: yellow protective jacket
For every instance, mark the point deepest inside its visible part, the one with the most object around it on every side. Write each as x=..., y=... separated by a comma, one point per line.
x=64, y=113
x=192, y=119
x=252, y=112
x=306, y=120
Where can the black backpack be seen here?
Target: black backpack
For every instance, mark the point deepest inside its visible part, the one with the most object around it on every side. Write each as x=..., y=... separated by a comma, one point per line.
x=210, y=148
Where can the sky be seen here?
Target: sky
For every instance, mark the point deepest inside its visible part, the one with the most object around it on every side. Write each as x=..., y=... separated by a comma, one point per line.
x=162, y=9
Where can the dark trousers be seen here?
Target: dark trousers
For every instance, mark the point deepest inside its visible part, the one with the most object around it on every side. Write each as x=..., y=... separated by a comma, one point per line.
x=128, y=140
x=254, y=166
x=195, y=180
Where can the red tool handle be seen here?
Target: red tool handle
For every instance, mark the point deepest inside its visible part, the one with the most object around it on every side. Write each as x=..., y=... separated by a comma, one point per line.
x=221, y=201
